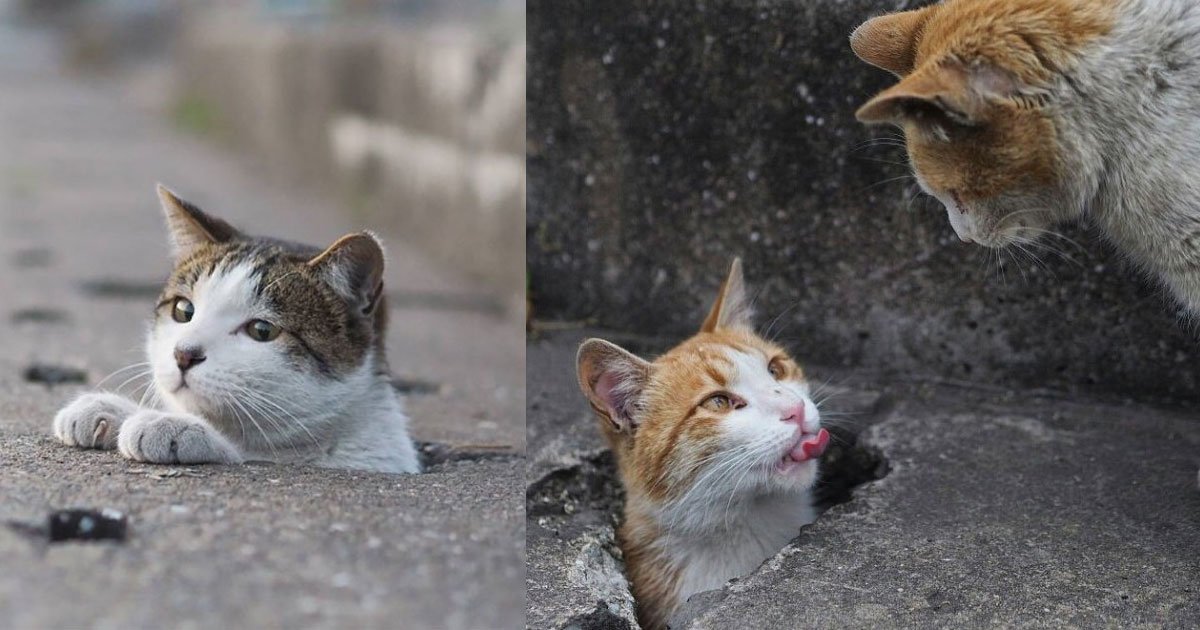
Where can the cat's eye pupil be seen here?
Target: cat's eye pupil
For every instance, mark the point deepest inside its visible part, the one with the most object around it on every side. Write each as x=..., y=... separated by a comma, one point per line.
x=262, y=330
x=183, y=310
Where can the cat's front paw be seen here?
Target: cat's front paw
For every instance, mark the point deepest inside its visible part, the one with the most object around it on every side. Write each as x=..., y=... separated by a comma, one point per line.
x=174, y=438
x=93, y=420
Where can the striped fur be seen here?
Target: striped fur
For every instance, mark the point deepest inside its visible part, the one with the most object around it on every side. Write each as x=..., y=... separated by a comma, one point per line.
x=318, y=393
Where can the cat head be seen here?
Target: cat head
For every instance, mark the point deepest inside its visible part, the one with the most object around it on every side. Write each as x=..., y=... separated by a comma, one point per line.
x=980, y=116
x=260, y=335
x=725, y=414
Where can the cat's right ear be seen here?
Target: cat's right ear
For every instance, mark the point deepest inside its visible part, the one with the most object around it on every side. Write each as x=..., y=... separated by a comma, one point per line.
x=189, y=227
x=890, y=41
x=612, y=378
x=732, y=308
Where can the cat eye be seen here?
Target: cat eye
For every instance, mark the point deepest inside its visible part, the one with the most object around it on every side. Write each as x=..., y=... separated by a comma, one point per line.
x=182, y=310
x=777, y=368
x=262, y=330
x=717, y=402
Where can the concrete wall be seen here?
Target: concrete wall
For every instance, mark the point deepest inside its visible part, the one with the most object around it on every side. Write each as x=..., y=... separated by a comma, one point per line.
x=420, y=131
x=667, y=138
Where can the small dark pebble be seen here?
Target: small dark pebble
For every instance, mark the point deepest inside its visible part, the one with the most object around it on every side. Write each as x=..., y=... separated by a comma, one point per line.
x=51, y=375
x=106, y=524
x=77, y=524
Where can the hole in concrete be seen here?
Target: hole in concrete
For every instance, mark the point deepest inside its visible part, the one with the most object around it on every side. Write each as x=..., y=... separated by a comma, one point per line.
x=51, y=375
x=122, y=289
x=845, y=466
x=579, y=499
x=415, y=387
x=39, y=316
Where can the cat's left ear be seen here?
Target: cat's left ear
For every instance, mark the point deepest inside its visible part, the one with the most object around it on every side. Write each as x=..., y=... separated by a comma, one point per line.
x=189, y=227
x=950, y=88
x=732, y=308
x=353, y=266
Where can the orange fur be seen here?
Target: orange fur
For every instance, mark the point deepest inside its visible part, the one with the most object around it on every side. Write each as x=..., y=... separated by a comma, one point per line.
x=985, y=63
x=660, y=456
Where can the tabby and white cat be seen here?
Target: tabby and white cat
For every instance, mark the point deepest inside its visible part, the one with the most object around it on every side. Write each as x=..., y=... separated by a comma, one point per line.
x=260, y=349
x=1022, y=114
x=717, y=443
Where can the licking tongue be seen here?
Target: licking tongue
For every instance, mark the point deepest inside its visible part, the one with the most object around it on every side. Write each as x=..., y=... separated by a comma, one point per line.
x=810, y=447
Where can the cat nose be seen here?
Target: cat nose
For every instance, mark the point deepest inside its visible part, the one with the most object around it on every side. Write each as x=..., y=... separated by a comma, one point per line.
x=795, y=415
x=185, y=358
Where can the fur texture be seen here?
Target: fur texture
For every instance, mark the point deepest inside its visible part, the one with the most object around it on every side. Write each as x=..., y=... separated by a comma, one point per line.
x=260, y=349
x=716, y=442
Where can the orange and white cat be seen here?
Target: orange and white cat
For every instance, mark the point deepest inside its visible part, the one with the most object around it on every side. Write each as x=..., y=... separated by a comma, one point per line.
x=1022, y=114
x=1019, y=115
x=717, y=443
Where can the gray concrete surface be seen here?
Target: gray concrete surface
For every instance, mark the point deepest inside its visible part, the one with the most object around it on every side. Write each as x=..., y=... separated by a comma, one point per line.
x=1000, y=507
x=666, y=138
x=82, y=251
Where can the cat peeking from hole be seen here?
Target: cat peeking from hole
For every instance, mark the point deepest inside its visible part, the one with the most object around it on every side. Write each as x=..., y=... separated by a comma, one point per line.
x=717, y=443
x=259, y=349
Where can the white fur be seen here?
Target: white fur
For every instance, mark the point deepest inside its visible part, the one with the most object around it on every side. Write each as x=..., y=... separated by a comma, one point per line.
x=740, y=510
x=244, y=401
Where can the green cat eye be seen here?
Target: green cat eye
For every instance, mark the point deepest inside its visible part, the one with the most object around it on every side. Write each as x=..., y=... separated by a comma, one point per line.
x=182, y=310
x=262, y=330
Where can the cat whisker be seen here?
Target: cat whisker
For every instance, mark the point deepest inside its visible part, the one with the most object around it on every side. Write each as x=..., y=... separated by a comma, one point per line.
x=264, y=398
x=140, y=364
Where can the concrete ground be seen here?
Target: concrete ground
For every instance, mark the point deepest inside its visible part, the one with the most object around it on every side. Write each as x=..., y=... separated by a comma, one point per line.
x=999, y=508
x=82, y=250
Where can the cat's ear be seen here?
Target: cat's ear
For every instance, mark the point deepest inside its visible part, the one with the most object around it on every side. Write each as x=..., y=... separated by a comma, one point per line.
x=612, y=379
x=732, y=308
x=188, y=227
x=890, y=41
x=353, y=266
x=949, y=89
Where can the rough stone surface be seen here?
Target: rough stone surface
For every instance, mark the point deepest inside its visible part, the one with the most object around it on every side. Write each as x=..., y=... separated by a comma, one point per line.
x=1000, y=507
x=1001, y=510
x=82, y=253
x=664, y=138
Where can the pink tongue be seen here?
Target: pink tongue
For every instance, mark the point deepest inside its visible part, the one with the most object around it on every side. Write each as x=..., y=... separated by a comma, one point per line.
x=812, y=447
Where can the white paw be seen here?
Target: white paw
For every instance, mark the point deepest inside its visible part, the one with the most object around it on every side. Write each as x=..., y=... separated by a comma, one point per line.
x=93, y=420
x=174, y=438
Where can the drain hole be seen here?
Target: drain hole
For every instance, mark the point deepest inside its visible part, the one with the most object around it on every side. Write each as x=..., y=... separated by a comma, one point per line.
x=122, y=289
x=51, y=375
x=415, y=387
x=39, y=315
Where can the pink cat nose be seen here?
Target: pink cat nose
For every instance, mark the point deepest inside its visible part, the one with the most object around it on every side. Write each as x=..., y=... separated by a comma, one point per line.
x=795, y=415
x=186, y=357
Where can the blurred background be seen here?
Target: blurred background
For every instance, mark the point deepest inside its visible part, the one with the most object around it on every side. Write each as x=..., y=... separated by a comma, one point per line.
x=410, y=113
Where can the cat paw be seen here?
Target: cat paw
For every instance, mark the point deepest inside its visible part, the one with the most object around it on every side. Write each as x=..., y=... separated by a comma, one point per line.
x=93, y=420
x=170, y=438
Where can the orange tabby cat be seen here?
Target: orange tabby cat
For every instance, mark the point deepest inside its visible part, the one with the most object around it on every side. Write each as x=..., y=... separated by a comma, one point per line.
x=717, y=444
